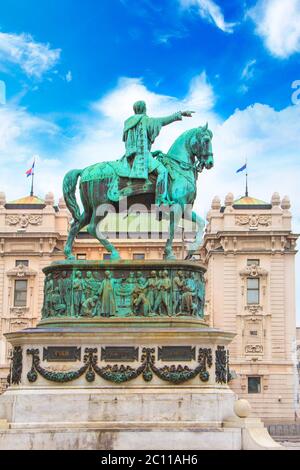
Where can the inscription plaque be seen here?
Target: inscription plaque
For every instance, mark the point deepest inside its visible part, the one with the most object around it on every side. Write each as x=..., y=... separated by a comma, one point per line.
x=120, y=353
x=176, y=353
x=62, y=354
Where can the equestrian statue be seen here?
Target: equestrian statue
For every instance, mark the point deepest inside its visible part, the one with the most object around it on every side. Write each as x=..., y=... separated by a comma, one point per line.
x=144, y=177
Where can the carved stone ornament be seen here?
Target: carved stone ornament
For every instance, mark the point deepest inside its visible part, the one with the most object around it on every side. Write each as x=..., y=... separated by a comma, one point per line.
x=18, y=324
x=23, y=220
x=253, y=221
x=253, y=271
x=21, y=271
x=254, y=349
x=19, y=312
x=253, y=309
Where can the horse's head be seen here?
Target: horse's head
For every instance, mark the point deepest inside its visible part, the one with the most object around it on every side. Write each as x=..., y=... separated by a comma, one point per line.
x=200, y=144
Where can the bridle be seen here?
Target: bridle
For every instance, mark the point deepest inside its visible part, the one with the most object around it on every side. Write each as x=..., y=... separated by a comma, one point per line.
x=196, y=167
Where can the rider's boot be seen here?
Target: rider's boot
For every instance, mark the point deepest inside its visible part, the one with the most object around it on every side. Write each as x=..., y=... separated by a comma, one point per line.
x=161, y=194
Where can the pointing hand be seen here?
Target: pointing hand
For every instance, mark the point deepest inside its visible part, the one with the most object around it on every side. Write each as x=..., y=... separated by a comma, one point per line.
x=187, y=113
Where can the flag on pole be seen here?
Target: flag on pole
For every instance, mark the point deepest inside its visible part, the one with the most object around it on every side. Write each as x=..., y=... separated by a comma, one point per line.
x=31, y=170
x=242, y=168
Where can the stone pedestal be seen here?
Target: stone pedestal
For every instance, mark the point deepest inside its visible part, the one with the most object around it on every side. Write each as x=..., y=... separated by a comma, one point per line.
x=97, y=379
x=120, y=387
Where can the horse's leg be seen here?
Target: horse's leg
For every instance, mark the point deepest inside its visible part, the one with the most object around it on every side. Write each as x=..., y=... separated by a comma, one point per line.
x=70, y=240
x=195, y=218
x=95, y=232
x=76, y=226
x=175, y=216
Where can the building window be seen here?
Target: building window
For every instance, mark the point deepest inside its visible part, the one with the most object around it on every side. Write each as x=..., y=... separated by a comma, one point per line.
x=23, y=262
x=250, y=262
x=138, y=255
x=106, y=255
x=254, y=384
x=252, y=290
x=20, y=295
x=81, y=256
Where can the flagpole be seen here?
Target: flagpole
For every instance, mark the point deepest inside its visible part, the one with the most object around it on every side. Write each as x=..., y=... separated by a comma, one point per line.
x=32, y=177
x=246, y=191
x=31, y=191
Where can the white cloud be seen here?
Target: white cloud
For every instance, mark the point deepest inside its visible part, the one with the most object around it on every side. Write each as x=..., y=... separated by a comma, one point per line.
x=210, y=11
x=2, y=92
x=101, y=136
x=69, y=76
x=18, y=128
x=278, y=23
x=167, y=36
x=118, y=103
x=21, y=136
x=247, y=75
x=270, y=140
x=98, y=136
x=34, y=58
x=243, y=88
x=248, y=70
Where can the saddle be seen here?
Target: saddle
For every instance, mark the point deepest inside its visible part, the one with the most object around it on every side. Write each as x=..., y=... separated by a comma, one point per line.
x=120, y=187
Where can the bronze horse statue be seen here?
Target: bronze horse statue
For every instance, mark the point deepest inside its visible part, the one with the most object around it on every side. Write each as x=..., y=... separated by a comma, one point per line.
x=100, y=185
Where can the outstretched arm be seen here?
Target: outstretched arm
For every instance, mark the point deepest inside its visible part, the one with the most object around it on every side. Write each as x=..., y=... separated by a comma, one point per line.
x=175, y=117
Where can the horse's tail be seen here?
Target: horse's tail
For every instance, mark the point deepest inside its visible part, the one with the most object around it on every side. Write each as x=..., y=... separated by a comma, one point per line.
x=69, y=190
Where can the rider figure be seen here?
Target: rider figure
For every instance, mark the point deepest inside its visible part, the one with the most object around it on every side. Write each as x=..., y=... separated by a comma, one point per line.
x=140, y=132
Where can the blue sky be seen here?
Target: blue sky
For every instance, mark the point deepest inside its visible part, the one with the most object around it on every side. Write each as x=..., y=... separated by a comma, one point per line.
x=73, y=69
x=165, y=42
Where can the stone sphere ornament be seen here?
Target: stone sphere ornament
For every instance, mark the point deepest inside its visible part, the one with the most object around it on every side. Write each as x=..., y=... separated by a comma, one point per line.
x=242, y=408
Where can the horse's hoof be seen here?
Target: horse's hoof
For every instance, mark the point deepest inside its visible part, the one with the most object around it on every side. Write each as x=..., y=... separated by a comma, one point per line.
x=70, y=257
x=189, y=255
x=169, y=256
x=115, y=256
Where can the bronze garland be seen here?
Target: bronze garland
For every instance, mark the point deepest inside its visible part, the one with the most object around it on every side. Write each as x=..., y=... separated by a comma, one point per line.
x=119, y=374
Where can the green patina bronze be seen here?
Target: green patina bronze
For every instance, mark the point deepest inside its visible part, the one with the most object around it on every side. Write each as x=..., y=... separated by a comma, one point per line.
x=92, y=291
x=86, y=290
x=141, y=176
